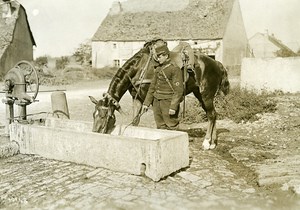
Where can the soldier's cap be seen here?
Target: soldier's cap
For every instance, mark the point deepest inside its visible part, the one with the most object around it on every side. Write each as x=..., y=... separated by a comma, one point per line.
x=162, y=50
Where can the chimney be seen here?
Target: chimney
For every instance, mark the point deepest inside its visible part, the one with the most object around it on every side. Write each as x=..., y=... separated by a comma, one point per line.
x=266, y=32
x=116, y=8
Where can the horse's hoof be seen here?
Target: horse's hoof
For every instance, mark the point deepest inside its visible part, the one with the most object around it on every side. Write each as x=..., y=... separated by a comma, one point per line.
x=206, y=144
x=212, y=146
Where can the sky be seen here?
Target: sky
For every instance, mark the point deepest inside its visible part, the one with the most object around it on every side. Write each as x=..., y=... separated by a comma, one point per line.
x=60, y=26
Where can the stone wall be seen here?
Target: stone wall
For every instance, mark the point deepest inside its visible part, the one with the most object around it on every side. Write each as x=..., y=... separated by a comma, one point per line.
x=271, y=74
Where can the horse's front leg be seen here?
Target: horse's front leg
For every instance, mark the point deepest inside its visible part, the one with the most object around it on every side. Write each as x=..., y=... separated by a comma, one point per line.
x=211, y=134
x=210, y=139
x=137, y=105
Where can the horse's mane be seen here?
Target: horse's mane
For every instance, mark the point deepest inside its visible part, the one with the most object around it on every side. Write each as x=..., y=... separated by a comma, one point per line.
x=121, y=80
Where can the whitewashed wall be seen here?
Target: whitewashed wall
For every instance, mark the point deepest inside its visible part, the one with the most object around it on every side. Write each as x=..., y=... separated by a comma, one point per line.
x=104, y=53
x=271, y=74
x=262, y=47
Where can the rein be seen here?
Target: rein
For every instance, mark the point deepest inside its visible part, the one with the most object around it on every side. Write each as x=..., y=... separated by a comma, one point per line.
x=140, y=81
x=143, y=73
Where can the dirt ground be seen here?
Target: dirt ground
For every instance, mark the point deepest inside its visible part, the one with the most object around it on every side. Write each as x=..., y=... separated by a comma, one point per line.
x=265, y=153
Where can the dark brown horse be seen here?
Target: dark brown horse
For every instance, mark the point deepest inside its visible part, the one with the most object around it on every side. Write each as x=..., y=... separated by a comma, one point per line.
x=209, y=77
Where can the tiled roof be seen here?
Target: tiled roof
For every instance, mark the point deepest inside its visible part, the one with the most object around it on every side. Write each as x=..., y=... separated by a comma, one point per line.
x=272, y=39
x=279, y=44
x=201, y=19
x=7, y=25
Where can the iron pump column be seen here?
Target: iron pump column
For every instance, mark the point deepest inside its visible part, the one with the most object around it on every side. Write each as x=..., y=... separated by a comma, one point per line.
x=17, y=81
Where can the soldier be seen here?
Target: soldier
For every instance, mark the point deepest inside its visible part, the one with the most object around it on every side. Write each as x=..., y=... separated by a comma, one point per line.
x=165, y=92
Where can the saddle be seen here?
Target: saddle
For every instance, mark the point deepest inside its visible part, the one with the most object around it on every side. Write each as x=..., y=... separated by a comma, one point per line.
x=183, y=55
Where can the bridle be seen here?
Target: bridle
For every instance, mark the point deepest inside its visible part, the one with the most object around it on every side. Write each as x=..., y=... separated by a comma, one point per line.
x=103, y=115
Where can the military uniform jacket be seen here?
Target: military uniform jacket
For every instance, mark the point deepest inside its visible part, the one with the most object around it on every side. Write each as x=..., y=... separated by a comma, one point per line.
x=160, y=88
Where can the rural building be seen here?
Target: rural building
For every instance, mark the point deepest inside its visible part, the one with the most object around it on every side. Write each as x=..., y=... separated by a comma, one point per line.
x=215, y=27
x=263, y=45
x=16, y=39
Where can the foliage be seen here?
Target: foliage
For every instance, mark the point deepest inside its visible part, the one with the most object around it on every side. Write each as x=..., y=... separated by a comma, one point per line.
x=73, y=75
x=239, y=105
x=105, y=73
x=83, y=53
x=62, y=62
x=41, y=61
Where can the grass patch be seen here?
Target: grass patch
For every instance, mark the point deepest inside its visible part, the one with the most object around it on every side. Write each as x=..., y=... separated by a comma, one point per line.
x=104, y=73
x=239, y=105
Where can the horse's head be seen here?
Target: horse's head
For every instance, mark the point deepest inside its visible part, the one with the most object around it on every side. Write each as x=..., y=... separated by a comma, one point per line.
x=104, y=117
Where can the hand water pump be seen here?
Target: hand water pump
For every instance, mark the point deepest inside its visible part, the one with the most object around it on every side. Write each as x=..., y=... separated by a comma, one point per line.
x=21, y=86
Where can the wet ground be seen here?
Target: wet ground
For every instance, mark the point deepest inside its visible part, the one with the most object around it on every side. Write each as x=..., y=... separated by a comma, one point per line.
x=255, y=166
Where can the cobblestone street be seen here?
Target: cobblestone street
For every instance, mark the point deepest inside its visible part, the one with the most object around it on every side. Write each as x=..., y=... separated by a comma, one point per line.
x=34, y=182
x=31, y=182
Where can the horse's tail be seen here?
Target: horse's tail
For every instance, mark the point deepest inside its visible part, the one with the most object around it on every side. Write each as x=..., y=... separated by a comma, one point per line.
x=224, y=85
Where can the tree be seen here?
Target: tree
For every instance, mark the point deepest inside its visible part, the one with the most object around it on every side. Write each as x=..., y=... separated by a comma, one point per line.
x=83, y=53
x=41, y=61
x=61, y=62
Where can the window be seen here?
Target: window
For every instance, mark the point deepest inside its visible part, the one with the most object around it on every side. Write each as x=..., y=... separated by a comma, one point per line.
x=116, y=63
x=114, y=45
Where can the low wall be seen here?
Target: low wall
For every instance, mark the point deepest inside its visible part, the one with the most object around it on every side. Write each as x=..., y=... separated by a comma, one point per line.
x=271, y=74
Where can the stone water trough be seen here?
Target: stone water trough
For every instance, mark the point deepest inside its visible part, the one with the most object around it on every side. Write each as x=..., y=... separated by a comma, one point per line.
x=135, y=150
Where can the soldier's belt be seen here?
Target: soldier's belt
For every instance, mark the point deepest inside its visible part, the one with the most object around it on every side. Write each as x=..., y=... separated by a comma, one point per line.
x=143, y=82
x=164, y=92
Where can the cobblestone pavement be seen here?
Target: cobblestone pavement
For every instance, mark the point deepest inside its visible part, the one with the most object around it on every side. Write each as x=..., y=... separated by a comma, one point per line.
x=34, y=182
x=214, y=180
x=31, y=182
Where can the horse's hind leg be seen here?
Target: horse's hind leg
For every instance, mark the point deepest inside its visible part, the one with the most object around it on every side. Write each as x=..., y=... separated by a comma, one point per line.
x=208, y=105
x=211, y=134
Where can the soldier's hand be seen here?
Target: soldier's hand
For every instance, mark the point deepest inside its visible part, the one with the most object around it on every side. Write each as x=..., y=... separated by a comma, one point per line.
x=144, y=109
x=172, y=111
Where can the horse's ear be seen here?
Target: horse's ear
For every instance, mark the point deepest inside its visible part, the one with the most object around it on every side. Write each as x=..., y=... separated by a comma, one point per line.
x=93, y=99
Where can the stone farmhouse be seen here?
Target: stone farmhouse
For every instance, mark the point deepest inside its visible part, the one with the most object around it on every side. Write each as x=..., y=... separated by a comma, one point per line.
x=263, y=45
x=215, y=27
x=16, y=39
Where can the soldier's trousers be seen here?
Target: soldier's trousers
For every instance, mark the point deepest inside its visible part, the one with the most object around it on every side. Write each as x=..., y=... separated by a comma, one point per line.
x=161, y=114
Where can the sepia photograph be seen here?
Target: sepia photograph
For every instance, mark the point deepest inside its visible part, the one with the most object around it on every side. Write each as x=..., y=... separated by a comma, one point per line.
x=150, y=104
